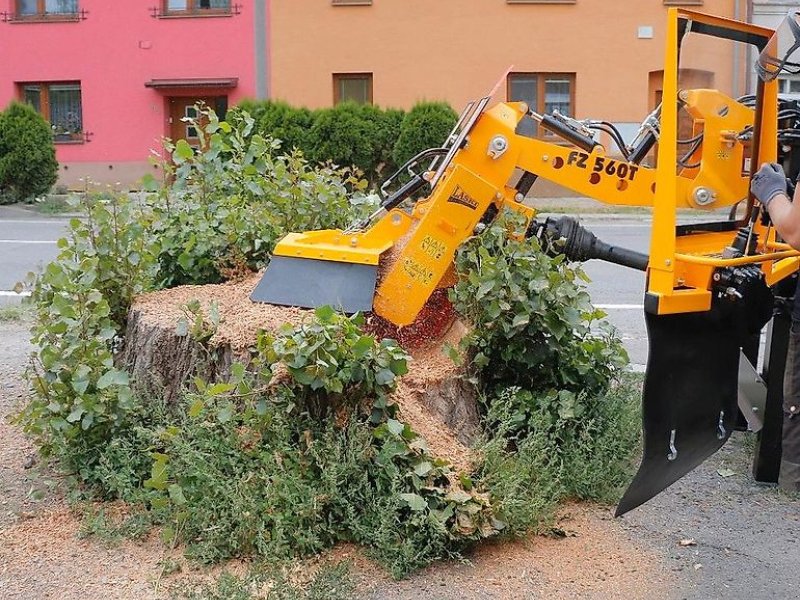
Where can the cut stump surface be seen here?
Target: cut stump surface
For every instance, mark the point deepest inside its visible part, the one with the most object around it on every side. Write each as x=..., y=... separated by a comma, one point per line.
x=432, y=398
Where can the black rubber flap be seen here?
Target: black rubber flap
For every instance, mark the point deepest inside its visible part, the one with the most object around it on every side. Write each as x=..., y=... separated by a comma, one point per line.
x=310, y=283
x=689, y=406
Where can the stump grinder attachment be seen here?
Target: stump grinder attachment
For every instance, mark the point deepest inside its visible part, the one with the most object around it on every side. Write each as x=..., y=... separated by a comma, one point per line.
x=708, y=291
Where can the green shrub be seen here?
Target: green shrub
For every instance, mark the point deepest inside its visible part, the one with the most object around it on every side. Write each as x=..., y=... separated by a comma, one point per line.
x=426, y=125
x=335, y=367
x=28, y=166
x=529, y=467
x=388, y=131
x=228, y=205
x=81, y=299
x=534, y=324
x=252, y=469
x=279, y=121
x=347, y=135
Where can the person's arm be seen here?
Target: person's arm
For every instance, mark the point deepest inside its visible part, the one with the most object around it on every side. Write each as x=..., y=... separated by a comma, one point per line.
x=769, y=187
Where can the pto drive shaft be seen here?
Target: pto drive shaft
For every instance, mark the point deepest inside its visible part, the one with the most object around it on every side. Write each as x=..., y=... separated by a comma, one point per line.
x=565, y=235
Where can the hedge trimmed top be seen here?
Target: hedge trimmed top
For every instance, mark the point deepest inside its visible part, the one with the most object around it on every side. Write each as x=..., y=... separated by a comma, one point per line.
x=374, y=140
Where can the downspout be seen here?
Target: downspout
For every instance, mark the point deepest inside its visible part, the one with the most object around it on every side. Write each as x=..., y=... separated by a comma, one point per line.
x=748, y=71
x=737, y=16
x=260, y=48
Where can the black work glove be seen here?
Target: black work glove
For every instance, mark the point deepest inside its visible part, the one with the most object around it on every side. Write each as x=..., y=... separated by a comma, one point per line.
x=768, y=183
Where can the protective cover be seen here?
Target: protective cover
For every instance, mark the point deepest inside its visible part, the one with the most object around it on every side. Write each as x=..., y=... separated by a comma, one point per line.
x=310, y=283
x=689, y=405
x=782, y=53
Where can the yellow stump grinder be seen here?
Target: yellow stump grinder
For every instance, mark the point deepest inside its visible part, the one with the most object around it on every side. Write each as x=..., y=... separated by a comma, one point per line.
x=711, y=286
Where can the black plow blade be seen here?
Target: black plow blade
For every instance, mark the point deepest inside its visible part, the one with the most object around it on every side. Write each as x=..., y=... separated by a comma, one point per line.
x=689, y=405
x=310, y=283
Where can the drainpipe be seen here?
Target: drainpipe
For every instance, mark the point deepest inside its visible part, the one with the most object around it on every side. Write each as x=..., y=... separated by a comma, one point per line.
x=749, y=70
x=736, y=53
x=261, y=49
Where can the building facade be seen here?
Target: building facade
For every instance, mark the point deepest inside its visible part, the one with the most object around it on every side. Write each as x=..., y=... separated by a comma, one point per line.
x=114, y=78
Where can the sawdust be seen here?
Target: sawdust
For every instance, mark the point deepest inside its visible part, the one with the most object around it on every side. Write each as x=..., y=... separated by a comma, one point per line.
x=430, y=366
x=241, y=320
x=42, y=557
x=590, y=557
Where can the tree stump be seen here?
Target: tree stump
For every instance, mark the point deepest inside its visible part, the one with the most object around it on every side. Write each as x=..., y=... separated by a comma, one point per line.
x=432, y=397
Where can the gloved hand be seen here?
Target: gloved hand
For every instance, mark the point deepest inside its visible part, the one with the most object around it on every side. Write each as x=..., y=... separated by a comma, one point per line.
x=768, y=183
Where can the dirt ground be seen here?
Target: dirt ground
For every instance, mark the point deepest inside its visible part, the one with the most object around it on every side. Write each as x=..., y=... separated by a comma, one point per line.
x=744, y=539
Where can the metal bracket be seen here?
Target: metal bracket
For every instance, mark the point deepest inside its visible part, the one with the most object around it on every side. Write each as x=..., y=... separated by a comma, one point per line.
x=752, y=395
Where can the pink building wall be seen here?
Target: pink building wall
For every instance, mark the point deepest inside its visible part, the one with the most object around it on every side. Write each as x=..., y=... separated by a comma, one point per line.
x=113, y=52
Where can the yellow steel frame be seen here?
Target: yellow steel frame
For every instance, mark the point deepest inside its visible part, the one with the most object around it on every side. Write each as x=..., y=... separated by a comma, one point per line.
x=681, y=267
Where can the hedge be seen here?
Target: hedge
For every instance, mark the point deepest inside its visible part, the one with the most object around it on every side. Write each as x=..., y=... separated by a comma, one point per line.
x=372, y=139
x=28, y=166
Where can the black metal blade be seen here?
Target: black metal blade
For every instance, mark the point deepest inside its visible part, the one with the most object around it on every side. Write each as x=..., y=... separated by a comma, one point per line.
x=310, y=283
x=689, y=406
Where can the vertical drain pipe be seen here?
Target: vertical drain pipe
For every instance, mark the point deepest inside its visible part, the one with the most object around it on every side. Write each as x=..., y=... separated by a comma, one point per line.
x=260, y=49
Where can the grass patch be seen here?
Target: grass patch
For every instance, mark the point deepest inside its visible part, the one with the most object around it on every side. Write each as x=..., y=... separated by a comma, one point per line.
x=112, y=527
x=588, y=459
x=16, y=313
x=54, y=204
x=331, y=582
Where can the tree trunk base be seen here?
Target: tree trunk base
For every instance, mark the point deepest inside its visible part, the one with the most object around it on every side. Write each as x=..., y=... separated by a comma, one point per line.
x=432, y=398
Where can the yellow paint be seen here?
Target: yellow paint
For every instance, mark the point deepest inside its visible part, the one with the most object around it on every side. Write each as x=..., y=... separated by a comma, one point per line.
x=681, y=268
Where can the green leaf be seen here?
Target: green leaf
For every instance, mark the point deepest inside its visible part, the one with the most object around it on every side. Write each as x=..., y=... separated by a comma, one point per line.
x=458, y=496
x=167, y=533
x=384, y=377
x=112, y=377
x=225, y=413
x=176, y=494
x=399, y=366
x=76, y=414
x=521, y=319
x=183, y=150
x=362, y=346
x=325, y=313
x=196, y=407
x=220, y=388
x=423, y=468
x=395, y=427
x=414, y=501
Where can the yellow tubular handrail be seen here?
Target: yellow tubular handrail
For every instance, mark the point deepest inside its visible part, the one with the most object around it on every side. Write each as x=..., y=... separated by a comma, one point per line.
x=735, y=262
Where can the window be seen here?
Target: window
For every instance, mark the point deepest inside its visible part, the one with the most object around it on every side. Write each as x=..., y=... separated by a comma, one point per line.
x=351, y=2
x=196, y=7
x=60, y=104
x=789, y=85
x=544, y=93
x=47, y=9
x=352, y=87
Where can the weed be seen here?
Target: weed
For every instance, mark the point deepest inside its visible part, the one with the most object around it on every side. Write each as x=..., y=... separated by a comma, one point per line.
x=112, y=529
x=588, y=458
x=275, y=582
x=16, y=313
x=53, y=205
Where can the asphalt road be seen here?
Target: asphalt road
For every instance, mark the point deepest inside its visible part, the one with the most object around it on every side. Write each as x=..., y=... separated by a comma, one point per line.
x=27, y=243
x=619, y=291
